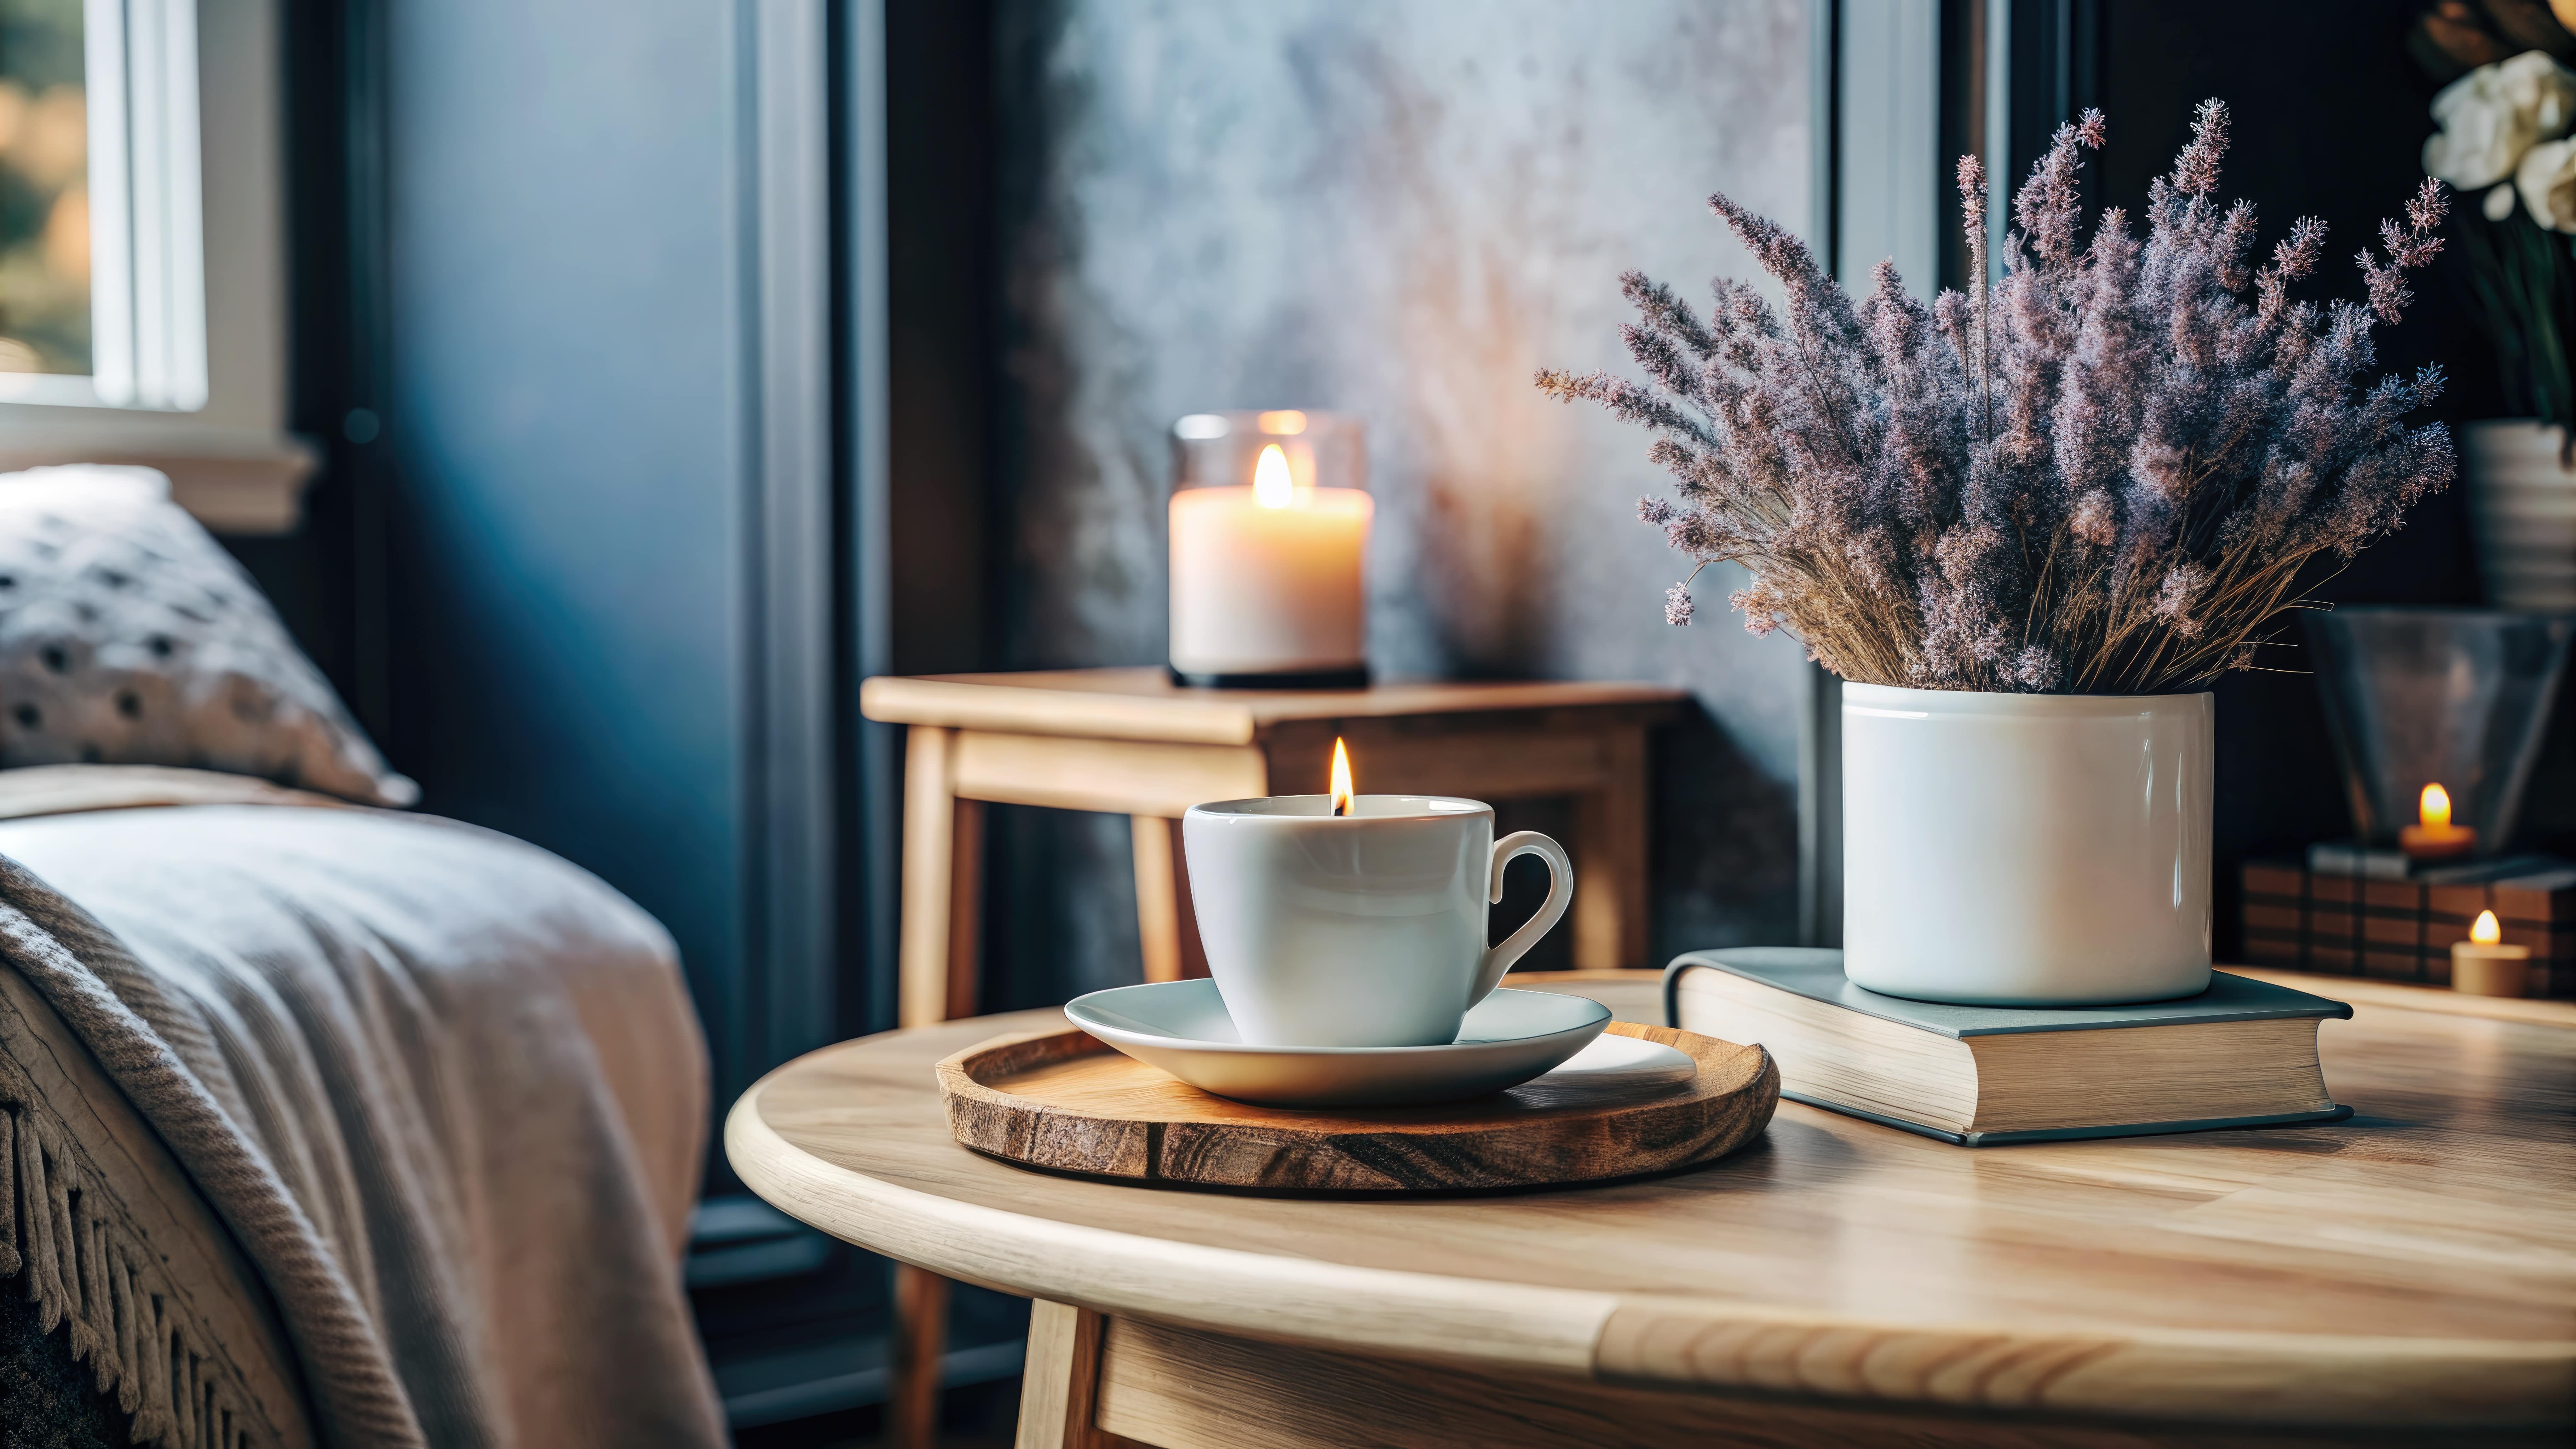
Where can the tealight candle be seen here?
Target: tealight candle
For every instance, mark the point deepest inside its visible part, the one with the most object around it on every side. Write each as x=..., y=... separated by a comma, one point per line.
x=2433, y=836
x=2484, y=966
x=1267, y=582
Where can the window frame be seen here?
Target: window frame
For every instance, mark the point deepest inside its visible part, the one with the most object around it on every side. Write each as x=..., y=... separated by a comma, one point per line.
x=217, y=332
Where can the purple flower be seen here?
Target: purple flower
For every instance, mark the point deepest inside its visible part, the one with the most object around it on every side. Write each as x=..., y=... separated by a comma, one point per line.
x=2195, y=171
x=2174, y=599
x=2103, y=471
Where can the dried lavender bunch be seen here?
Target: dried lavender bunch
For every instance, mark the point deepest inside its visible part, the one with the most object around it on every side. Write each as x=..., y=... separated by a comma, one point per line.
x=2104, y=474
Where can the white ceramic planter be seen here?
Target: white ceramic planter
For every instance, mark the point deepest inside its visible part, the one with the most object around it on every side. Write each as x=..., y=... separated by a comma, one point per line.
x=2524, y=502
x=2026, y=849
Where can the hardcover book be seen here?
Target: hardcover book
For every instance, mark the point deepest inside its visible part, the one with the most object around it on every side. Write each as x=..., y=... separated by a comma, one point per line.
x=2241, y=1054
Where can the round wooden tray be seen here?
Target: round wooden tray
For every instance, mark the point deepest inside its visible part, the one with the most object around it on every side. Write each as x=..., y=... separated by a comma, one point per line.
x=1064, y=1101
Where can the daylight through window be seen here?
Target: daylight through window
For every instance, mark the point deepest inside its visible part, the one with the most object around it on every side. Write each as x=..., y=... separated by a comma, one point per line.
x=102, y=276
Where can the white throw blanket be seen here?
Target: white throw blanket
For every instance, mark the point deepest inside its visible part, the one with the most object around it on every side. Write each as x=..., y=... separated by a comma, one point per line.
x=446, y=1089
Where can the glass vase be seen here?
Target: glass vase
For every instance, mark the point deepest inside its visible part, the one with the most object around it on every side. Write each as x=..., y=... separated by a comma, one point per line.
x=2435, y=696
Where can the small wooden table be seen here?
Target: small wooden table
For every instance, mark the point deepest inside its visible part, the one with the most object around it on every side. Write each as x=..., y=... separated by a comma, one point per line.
x=2409, y=1275
x=1130, y=742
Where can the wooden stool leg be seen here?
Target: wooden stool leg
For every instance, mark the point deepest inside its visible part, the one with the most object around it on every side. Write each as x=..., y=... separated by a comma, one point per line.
x=1193, y=950
x=920, y=1341
x=943, y=890
x=1060, y=1388
x=965, y=974
x=1158, y=914
x=1610, y=885
x=1166, y=927
x=943, y=883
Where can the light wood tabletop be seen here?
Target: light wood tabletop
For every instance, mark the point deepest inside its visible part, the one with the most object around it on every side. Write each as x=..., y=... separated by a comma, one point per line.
x=2412, y=1268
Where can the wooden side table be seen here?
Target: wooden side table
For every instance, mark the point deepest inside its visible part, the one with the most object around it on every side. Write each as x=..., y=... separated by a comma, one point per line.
x=2408, y=1276
x=1130, y=742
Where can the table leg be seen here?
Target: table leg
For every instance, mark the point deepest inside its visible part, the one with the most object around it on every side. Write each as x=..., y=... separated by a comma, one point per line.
x=920, y=1342
x=1610, y=885
x=965, y=906
x=1060, y=1387
x=1194, y=964
x=1166, y=927
x=1158, y=915
x=943, y=881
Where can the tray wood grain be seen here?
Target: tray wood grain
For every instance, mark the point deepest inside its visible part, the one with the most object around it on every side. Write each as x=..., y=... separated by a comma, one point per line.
x=1065, y=1101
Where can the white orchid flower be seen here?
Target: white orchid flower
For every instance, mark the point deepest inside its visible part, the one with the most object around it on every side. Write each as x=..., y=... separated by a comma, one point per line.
x=2547, y=180
x=2494, y=114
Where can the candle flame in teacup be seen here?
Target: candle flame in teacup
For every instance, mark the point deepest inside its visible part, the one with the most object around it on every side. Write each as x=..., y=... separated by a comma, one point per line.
x=1272, y=487
x=2486, y=932
x=1344, y=797
x=2435, y=808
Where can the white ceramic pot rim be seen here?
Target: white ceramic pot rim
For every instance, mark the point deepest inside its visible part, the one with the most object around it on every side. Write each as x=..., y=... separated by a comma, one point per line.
x=1904, y=703
x=1266, y=807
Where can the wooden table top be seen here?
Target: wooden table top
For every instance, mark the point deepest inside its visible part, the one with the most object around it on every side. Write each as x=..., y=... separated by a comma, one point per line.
x=1144, y=704
x=2415, y=1265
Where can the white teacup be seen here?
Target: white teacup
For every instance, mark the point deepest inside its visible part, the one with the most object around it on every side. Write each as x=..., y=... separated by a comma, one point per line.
x=1361, y=930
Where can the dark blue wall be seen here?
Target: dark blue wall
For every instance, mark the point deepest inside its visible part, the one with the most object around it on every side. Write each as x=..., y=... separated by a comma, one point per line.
x=564, y=409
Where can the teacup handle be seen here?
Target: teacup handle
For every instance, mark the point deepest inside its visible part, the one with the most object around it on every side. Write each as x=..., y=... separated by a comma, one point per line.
x=1560, y=894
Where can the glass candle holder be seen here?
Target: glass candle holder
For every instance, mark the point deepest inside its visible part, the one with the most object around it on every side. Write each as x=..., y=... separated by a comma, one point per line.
x=1269, y=539
x=2455, y=698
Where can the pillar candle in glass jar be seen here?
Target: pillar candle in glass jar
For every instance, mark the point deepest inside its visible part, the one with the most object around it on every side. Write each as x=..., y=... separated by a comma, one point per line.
x=1269, y=532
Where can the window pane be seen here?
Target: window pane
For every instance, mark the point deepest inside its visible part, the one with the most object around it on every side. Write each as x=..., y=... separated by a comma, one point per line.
x=44, y=192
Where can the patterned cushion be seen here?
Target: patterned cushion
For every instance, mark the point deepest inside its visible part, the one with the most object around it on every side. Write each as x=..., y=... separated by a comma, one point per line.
x=128, y=636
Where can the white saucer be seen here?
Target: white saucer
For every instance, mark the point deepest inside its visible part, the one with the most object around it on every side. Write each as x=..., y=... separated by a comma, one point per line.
x=1618, y=1063
x=1509, y=1038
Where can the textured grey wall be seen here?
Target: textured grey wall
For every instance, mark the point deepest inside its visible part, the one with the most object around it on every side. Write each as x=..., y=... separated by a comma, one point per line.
x=1400, y=211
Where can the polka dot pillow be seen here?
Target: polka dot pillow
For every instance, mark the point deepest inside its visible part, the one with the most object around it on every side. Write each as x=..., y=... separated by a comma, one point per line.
x=128, y=636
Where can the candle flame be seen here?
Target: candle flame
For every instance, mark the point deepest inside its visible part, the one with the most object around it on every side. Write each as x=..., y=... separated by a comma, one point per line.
x=1343, y=796
x=1271, y=485
x=2486, y=932
x=2435, y=808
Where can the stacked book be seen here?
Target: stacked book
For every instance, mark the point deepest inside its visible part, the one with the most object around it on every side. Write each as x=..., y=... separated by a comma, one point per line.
x=2241, y=1054
x=2347, y=917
